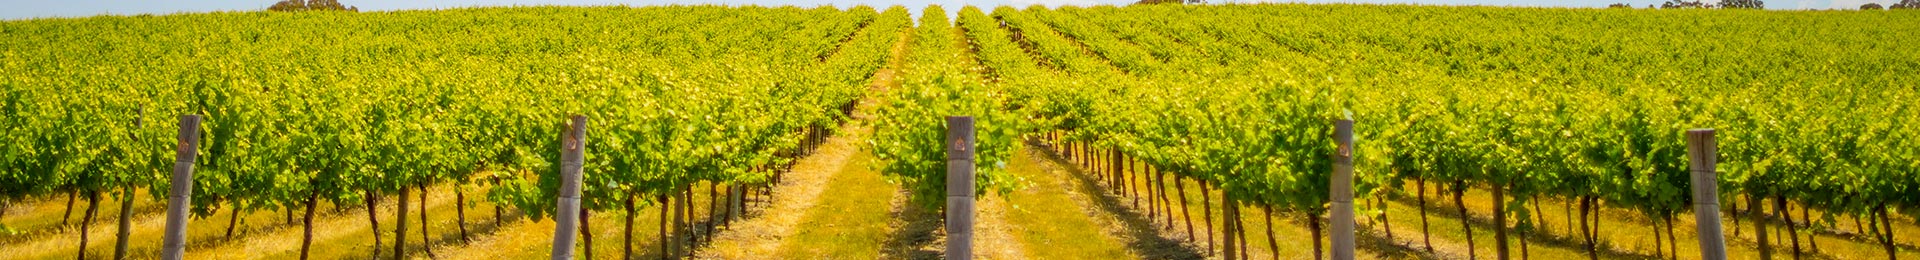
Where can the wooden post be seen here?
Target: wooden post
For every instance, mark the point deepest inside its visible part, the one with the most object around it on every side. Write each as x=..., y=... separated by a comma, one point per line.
x=181, y=193
x=1343, y=191
x=735, y=207
x=960, y=138
x=572, y=157
x=1703, y=154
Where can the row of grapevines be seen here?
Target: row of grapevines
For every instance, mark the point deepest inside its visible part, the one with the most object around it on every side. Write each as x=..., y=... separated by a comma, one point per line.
x=1596, y=114
x=1468, y=99
x=345, y=107
x=1258, y=132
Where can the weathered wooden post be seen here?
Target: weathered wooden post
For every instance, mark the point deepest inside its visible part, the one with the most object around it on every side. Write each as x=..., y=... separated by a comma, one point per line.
x=1343, y=191
x=572, y=156
x=175, y=244
x=735, y=207
x=1703, y=154
x=959, y=187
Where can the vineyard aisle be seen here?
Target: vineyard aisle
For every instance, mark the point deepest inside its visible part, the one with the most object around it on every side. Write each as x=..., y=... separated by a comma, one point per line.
x=835, y=205
x=1166, y=237
x=1054, y=214
x=839, y=171
x=858, y=215
x=800, y=191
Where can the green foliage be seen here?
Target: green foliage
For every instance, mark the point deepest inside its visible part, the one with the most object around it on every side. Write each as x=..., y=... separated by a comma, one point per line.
x=310, y=5
x=336, y=114
x=1243, y=96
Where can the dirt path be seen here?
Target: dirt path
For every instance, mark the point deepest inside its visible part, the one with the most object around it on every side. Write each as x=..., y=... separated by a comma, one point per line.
x=858, y=215
x=994, y=231
x=800, y=191
x=1165, y=237
x=1054, y=217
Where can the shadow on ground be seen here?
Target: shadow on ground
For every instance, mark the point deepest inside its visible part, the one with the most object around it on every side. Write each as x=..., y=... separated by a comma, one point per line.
x=1141, y=235
x=914, y=235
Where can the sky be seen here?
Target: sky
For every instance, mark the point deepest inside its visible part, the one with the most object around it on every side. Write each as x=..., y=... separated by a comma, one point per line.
x=28, y=9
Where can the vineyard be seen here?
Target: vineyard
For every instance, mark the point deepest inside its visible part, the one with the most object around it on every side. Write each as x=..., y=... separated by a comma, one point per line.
x=755, y=132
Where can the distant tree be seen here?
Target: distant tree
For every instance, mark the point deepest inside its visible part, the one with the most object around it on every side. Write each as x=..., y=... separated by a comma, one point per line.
x=1743, y=4
x=1680, y=4
x=1871, y=6
x=310, y=5
x=1152, y=2
x=1620, y=5
x=1906, y=4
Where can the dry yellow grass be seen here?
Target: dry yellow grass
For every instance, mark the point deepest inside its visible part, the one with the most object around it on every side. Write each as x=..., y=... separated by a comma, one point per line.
x=800, y=190
x=260, y=235
x=1053, y=219
x=345, y=234
x=529, y=239
x=1624, y=233
x=993, y=236
x=517, y=240
x=38, y=217
x=55, y=242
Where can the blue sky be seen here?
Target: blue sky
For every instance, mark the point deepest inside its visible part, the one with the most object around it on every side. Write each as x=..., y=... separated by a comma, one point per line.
x=27, y=9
